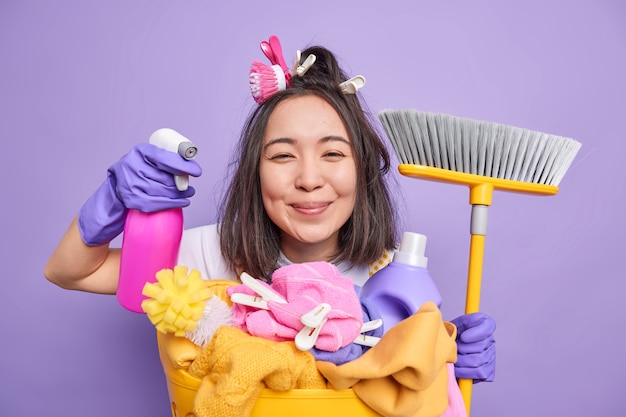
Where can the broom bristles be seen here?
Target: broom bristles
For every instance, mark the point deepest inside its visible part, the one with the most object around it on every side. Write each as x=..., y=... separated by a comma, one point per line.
x=478, y=147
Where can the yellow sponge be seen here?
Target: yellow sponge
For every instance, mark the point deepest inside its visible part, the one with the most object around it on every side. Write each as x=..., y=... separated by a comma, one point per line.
x=176, y=301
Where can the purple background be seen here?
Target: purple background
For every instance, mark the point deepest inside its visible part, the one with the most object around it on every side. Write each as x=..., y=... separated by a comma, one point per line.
x=81, y=82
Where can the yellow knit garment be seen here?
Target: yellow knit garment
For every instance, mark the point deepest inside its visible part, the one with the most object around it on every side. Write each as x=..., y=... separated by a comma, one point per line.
x=235, y=367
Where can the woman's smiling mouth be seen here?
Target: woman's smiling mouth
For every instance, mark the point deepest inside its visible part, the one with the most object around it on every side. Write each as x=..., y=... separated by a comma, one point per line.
x=310, y=209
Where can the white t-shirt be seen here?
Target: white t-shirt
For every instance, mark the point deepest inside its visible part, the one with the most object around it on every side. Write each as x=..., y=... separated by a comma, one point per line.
x=200, y=250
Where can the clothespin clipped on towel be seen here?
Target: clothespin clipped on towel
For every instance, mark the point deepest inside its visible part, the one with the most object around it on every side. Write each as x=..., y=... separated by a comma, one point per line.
x=265, y=294
x=368, y=326
x=313, y=320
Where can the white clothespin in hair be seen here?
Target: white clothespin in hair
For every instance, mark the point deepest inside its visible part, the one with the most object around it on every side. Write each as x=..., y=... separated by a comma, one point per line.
x=313, y=322
x=301, y=69
x=308, y=63
x=352, y=85
x=296, y=62
x=265, y=294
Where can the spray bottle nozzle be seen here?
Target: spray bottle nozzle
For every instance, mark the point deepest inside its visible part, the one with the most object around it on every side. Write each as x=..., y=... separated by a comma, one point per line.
x=187, y=150
x=172, y=141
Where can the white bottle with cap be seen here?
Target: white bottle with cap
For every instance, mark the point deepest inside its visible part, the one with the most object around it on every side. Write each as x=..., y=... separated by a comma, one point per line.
x=398, y=290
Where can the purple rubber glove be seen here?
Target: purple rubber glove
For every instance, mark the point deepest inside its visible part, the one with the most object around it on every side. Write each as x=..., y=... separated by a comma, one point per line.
x=143, y=179
x=476, y=347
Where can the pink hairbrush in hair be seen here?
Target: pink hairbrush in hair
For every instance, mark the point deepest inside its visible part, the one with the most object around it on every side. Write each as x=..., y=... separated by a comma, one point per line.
x=266, y=80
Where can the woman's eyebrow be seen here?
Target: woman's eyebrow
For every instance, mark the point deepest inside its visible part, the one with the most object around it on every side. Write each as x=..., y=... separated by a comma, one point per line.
x=332, y=138
x=290, y=141
x=278, y=140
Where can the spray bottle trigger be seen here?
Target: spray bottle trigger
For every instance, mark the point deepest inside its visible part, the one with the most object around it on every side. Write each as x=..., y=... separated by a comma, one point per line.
x=182, y=182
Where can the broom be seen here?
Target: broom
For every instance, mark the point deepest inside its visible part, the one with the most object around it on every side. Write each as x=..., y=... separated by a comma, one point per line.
x=485, y=156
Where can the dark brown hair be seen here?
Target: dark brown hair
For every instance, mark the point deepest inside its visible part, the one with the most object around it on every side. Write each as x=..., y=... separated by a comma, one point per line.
x=249, y=240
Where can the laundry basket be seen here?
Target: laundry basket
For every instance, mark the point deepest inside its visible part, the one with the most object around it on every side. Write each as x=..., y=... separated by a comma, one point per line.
x=177, y=353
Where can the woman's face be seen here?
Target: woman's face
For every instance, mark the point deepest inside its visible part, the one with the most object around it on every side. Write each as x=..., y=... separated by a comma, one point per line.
x=308, y=177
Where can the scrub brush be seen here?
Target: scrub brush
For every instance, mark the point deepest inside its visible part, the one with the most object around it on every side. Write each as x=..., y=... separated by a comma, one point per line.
x=484, y=156
x=266, y=80
x=176, y=301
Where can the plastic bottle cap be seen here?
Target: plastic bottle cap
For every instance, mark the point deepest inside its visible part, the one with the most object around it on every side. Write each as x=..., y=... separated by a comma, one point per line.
x=411, y=250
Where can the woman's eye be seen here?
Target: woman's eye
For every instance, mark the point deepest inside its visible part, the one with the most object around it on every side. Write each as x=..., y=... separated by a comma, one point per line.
x=334, y=155
x=280, y=157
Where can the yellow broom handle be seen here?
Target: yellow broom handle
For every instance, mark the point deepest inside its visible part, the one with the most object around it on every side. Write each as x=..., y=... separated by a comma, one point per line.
x=480, y=197
x=475, y=273
x=472, y=301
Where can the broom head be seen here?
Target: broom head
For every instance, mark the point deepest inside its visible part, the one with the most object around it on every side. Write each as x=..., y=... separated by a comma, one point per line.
x=467, y=151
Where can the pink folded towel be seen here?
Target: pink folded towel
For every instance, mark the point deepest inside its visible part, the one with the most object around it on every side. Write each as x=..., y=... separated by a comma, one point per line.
x=304, y=286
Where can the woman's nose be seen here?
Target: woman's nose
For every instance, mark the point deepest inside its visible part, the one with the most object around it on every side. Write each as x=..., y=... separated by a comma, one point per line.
x=310, y=175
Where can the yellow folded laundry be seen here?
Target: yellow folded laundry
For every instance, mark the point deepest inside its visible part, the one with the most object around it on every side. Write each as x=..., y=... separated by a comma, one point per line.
x=405, y=374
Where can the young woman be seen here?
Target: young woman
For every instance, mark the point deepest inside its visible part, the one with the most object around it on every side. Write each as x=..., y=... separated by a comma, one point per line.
x=310, y=186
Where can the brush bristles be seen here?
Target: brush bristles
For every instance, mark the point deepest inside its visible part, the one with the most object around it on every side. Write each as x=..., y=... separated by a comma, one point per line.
x=478, y=147
x=265, y=81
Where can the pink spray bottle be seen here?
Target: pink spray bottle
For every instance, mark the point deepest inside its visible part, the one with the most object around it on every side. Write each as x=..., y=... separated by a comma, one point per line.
x=399, y=289
x=151, y=240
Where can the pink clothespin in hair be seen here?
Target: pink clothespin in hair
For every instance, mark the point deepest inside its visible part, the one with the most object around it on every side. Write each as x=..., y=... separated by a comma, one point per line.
x=274, y=52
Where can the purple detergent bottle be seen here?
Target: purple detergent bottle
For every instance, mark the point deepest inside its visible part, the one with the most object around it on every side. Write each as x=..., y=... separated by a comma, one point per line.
x=399, y=289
